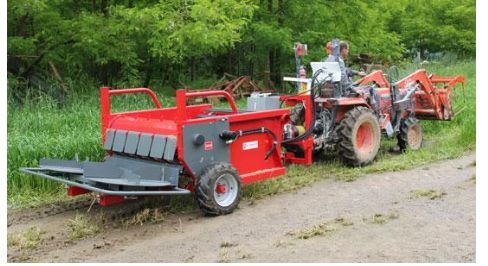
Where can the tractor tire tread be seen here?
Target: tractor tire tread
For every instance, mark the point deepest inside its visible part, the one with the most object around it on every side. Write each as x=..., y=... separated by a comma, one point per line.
x=402, y=136
x=345, y=130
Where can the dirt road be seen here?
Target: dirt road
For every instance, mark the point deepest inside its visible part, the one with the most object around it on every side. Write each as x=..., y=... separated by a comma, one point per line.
x=426, y=214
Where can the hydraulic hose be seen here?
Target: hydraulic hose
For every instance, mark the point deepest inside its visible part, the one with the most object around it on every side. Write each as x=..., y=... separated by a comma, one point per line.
x=233, y=135
x=310, y=127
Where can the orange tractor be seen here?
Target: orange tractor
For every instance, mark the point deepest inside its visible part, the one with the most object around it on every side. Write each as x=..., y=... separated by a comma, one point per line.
x=326, y=117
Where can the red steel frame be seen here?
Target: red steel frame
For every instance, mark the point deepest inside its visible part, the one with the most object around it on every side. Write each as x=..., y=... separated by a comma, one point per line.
x=250, y=164
x=306, y=144
x=105, y=94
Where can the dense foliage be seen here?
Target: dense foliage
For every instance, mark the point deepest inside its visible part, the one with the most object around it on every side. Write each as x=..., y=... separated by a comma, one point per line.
x=170, y=42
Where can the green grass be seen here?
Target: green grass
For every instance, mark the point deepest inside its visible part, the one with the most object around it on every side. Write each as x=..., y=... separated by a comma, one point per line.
x=80, y=227
x=30, y=238
x=379, y=218
x=316, y=230
x=40, y=128
x=322, y=229
x=146, y=215
x=427, y=193
x=344, y=221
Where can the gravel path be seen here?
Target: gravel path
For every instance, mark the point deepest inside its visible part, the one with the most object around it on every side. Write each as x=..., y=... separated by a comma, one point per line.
x=387, y=217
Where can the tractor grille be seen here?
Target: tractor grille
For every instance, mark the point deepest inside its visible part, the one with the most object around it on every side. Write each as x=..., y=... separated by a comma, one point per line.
x=141, y=144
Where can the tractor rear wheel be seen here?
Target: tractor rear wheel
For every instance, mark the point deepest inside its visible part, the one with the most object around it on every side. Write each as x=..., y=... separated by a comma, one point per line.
x=218, y=189
x=360, y=136
x=410, y=135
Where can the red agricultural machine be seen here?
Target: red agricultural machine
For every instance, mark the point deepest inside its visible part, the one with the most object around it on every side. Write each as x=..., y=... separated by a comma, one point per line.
x=212, y=152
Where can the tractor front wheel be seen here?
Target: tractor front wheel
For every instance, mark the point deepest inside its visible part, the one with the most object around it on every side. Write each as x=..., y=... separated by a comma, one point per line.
x=360, y=136
x=218, y=189
x=410, y=134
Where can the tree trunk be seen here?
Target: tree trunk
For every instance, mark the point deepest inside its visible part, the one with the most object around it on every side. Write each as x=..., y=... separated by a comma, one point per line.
x=104, y=74
x=148, y=70
x=272, y=66
x=239, y=52
x=271, y=53
x=193, y=68
x=104, y=7
x=277, y=76
x=277, y=68
x=228, y=68
x=251, y=61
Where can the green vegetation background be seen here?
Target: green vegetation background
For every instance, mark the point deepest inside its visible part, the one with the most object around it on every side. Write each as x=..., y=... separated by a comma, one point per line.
x=168, y=44
x=128, y=43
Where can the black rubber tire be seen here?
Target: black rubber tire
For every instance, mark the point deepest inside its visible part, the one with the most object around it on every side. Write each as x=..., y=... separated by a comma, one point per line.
x=409, y=126
x=347, y=132
x=204, y=190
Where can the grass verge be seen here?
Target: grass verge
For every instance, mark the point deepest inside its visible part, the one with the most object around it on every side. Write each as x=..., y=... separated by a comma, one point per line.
x=28, y=239
x=379, y=218
x=427, y=193
x=146, y=215
x=321, y=229
x=80, y=227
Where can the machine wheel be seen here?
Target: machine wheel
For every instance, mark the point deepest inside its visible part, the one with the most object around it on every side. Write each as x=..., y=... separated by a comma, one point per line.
x=410, y=134
x=218, y=189
x=360, y=136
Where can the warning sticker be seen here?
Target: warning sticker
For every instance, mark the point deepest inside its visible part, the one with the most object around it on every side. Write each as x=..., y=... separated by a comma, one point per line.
x=250, y=145
x=208, y=145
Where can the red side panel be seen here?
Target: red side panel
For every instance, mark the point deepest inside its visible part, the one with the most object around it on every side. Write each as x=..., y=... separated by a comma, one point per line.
x=75, y=191
x=105, y=200
x=247, y=153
